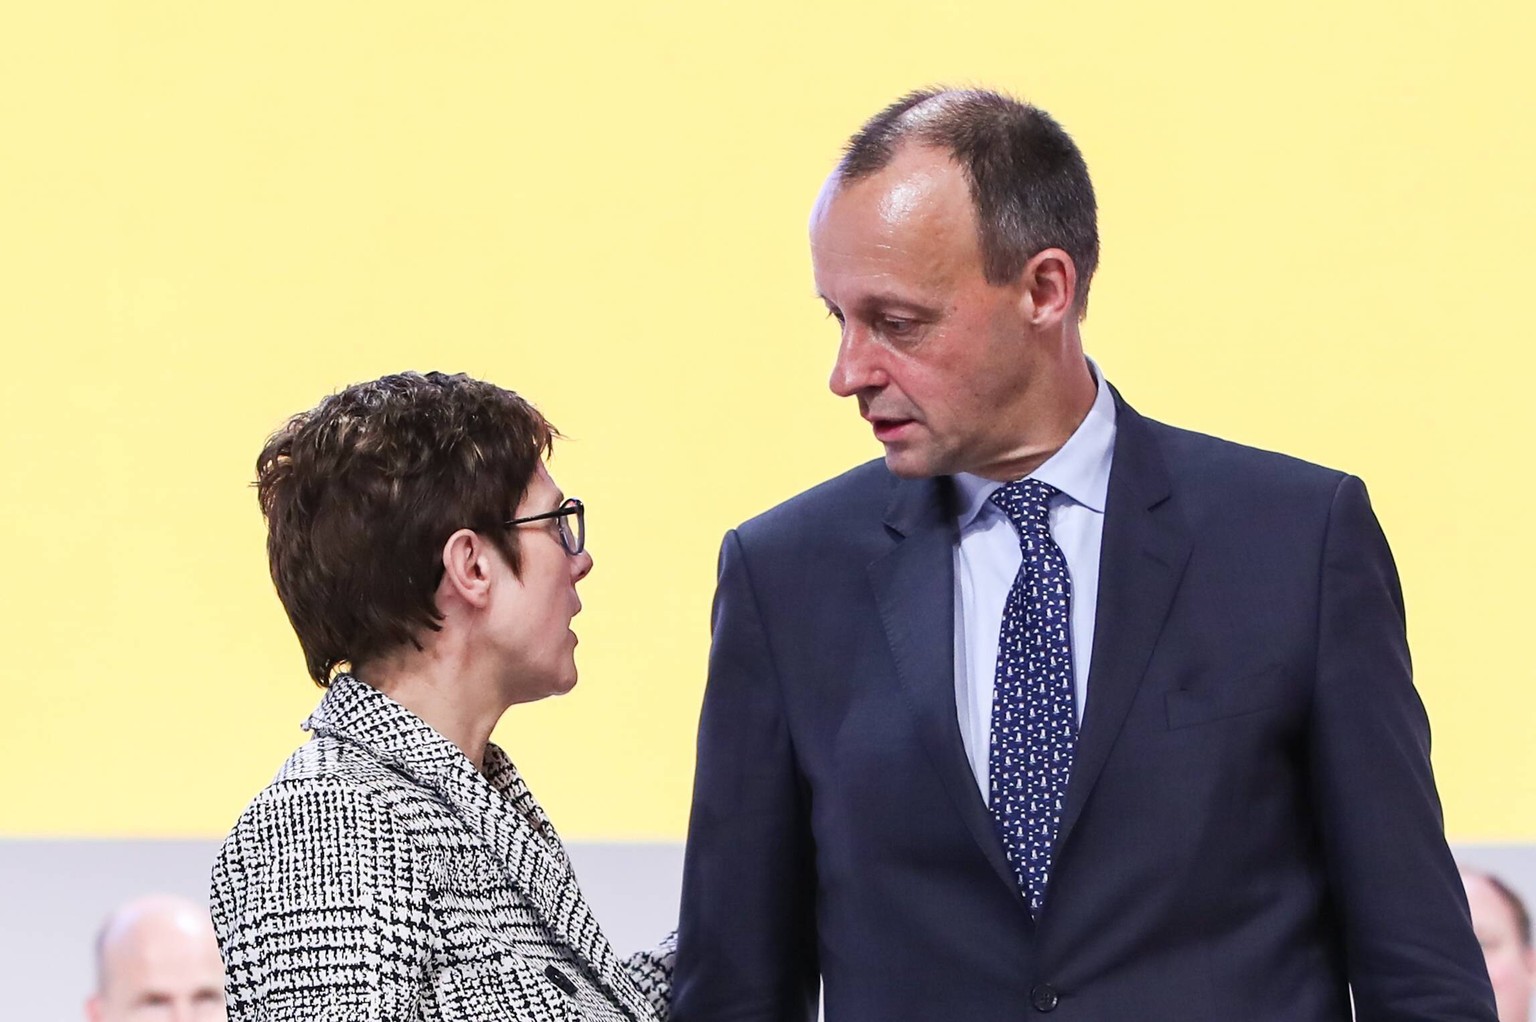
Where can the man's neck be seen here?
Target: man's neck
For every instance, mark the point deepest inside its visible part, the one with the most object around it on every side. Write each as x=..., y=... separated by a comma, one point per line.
x=1054, y=412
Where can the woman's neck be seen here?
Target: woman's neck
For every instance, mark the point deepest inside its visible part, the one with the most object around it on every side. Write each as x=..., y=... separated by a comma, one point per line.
x=443, y=692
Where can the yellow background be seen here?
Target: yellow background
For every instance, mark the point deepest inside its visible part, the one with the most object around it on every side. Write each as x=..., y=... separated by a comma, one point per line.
x=1317, y=221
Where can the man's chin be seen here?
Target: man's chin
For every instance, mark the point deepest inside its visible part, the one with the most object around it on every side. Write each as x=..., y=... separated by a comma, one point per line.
x=905, y=463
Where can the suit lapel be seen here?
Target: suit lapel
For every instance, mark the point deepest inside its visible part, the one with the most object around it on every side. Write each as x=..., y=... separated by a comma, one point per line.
x=515, y=826
x=1145, y=547
x=915, y=591
x=496, y=808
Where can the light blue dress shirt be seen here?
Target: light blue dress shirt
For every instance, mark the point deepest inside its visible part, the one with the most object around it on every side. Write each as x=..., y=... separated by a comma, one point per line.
x=988, y=557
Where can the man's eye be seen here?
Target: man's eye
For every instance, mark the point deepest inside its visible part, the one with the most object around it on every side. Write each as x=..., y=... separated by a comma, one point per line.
x=834, y=314
x=895, y=326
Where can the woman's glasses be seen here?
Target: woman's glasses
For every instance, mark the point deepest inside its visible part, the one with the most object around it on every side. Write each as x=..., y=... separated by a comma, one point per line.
x=570, y=524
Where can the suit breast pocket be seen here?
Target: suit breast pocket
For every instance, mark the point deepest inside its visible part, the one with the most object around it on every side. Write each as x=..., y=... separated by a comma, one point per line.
x=1208, y=701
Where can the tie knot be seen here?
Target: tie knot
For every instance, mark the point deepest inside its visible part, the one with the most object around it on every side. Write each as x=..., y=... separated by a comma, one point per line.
x=1026, y=502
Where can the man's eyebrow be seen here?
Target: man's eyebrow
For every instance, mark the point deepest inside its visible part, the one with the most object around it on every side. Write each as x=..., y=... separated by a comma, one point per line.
x=883, y=300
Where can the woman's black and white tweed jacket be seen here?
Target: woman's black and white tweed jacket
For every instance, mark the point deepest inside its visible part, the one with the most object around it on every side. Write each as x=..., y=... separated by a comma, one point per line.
x=382, y=877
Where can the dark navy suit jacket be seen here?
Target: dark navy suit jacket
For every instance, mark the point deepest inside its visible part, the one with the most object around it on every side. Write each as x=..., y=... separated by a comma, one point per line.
x=1251, y=830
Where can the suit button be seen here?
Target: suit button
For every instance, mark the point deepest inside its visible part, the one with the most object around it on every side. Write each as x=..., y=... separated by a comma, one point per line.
x=560, y=980
x=1044, y=997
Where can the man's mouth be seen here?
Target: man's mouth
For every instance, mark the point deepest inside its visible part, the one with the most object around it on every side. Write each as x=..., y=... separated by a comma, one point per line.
x=887, y=430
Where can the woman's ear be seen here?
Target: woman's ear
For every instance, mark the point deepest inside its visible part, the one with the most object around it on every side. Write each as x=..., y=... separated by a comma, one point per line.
x=467, y=567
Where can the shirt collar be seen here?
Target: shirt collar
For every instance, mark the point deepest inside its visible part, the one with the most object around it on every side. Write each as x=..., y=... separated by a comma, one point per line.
x=1079, y=469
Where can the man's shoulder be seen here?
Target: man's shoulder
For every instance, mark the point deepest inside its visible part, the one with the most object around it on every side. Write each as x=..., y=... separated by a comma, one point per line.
x=853, y=499
x=1202, y=460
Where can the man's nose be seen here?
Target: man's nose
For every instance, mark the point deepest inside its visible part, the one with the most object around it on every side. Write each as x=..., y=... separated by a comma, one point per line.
x=857, y=367
x=581, y=566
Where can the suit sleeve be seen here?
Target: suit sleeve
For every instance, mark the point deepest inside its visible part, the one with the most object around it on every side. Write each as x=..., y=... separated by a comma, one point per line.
x=1408, y=940
x=747, y=937
x=321, y=910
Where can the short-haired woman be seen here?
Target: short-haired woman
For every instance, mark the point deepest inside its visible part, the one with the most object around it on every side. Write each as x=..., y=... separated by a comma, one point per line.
x=397, y=867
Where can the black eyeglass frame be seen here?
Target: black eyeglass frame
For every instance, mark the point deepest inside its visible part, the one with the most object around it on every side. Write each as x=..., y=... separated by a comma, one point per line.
x=573, y=540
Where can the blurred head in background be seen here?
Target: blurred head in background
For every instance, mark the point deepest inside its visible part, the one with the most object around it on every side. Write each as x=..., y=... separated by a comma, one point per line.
x=1503, y=928
x=156, y=959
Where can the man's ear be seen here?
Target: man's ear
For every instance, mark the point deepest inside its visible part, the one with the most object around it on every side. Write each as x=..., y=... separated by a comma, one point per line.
x=1048, y=288
x=467, y=567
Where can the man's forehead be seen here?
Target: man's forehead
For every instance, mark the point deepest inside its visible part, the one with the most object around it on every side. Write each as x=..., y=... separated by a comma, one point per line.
x=913, y=172
x=908, y=226
x=169, y=951
x=158, y=944
x=918, y=196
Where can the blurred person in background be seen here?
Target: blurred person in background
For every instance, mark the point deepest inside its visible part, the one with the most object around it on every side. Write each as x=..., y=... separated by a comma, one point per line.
x=156, y=958
x=1503, y=928
x=398, y=867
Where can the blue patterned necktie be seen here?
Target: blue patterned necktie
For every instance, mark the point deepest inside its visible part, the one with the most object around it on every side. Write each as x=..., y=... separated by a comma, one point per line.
x=1034, y=726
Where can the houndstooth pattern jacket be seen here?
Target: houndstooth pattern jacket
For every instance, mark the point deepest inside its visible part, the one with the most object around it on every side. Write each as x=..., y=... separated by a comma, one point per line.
x=381, y=877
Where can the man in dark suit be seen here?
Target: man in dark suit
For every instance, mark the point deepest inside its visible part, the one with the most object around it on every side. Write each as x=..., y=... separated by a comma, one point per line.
x=1058, y=710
